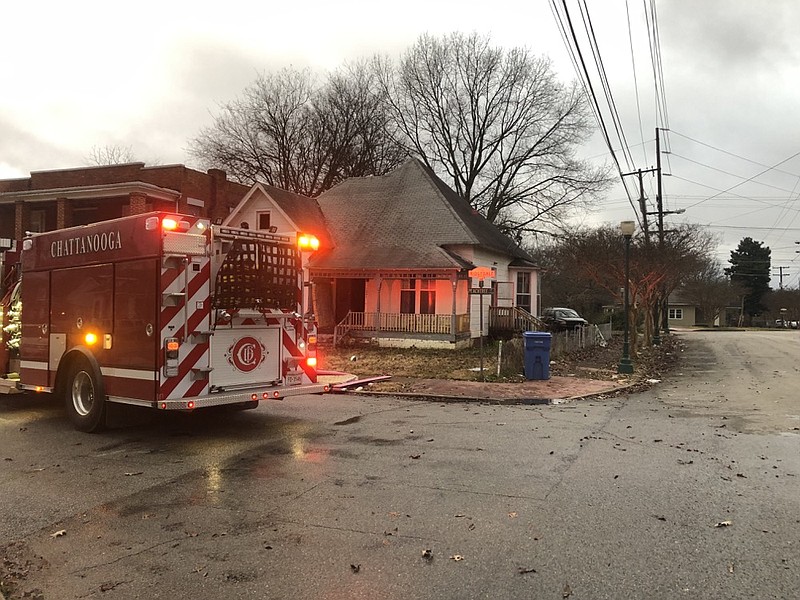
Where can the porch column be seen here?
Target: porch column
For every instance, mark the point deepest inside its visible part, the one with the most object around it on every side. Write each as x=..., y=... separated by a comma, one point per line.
x=378, y=305
x=21, y=219
x=137, y=203
x=63, y=213
x=454, y=283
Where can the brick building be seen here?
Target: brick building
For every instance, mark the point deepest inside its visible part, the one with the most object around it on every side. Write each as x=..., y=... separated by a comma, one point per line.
x=61, y=198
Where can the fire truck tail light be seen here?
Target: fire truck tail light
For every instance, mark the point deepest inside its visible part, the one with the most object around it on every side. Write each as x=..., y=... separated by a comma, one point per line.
x=265, y=396
x=254, y=397
x=90, y=339
x=276, y=394
x=311, y=361
x=190, y=404
x=307, y=242
x=171, y=357
x=170, y=224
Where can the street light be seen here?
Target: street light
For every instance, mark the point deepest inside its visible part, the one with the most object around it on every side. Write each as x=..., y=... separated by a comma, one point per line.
x=626, y=365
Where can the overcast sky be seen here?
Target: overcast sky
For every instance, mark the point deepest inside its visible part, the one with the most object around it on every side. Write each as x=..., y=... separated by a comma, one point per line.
x=149, y=75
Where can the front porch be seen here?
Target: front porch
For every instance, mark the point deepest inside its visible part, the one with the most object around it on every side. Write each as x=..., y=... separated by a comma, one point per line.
x=400, y=330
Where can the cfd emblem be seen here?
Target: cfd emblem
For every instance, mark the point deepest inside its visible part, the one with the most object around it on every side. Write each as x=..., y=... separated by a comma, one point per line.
x=246, y=354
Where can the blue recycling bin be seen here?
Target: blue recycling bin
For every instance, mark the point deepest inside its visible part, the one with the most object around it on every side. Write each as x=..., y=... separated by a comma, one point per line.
x=537, y=354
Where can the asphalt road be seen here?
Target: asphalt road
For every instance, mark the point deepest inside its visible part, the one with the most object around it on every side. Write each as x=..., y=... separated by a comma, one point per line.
x=688, y=490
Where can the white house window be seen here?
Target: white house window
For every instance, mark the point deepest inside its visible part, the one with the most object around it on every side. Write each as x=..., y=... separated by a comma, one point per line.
x=418, y=292
x=675, y=313
x=524, y=290
x=263, y=219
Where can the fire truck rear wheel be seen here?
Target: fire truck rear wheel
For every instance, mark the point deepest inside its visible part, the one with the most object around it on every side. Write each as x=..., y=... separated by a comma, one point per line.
x=85, y=397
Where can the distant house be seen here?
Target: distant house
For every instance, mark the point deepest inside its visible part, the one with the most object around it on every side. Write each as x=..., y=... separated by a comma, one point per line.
x=395, y=259
x=680, y=312
x=684, y=313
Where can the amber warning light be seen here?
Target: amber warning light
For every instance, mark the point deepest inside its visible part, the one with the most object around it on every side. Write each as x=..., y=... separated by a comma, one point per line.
x=307, y=242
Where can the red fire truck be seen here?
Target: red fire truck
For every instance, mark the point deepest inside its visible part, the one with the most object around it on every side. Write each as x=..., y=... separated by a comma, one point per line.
x=165, y=311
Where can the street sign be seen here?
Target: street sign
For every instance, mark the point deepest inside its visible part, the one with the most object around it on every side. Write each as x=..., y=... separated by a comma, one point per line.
x=482, y=273
x=480, y=290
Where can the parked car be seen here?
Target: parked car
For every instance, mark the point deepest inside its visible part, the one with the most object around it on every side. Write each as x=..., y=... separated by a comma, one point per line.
x=561, y=319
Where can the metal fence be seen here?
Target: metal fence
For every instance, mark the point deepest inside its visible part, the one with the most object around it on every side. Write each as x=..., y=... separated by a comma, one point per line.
x=564, y=342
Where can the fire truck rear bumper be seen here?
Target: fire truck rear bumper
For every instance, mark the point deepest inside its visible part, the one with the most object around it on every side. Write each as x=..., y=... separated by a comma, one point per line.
x=224, y=398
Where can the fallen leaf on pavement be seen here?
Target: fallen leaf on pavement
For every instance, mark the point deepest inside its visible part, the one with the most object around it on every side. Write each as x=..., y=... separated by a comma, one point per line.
x=512, y=515
x=132, y=473
x=427, y=554
x=355, y=568
x=525, y=570
x=730, y=568
x=59, y=533
x=567, y=591
x=457, y=557
x=724, y=524
x=415, y=456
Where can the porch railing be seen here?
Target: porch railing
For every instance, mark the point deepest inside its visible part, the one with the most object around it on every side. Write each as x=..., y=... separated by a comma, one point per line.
x=513, y=318
x=400, y=323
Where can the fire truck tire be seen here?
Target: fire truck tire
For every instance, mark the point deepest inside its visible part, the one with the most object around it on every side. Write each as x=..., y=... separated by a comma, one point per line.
x=85, y=396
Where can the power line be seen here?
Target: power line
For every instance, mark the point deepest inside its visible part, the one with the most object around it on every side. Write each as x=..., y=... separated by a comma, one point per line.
x=731, y=174
x=748, y=179
x=573, y=47
x=635, y=81
x=733, y=154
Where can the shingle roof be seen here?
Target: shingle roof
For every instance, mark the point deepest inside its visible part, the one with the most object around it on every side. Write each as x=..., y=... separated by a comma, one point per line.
x=370, y=231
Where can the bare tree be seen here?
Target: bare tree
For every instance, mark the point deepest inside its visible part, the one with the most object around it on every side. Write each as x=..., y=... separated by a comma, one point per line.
x=110, y=155
x=711, y=291
x=596, y=259
x=498, y=125
x=291, y=131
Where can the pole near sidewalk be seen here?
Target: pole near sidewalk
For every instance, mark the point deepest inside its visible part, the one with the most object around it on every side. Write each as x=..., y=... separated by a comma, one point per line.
x=625, y=364
x=481, y=273
x=480, y=284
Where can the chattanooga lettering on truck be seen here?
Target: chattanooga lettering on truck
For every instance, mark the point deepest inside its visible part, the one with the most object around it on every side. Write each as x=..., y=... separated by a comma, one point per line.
x=98, y=242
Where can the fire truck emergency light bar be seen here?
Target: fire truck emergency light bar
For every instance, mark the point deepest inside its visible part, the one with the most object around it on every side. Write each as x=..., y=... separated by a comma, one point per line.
x=251, y=233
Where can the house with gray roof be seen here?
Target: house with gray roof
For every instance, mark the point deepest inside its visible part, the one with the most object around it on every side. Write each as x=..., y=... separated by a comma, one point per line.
x=396, y=257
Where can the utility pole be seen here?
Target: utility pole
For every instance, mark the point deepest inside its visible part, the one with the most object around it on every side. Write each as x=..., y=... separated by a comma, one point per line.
x=780, y=274
x=642, y=200
x=661, y=317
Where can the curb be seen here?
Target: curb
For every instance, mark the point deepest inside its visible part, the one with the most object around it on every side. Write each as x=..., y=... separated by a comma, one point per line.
x=502, y=401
